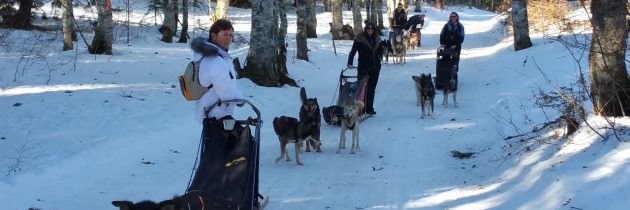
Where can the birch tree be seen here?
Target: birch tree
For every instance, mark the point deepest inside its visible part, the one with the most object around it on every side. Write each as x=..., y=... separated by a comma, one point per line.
x=104, y=31
x=68, y=25
x=300, y=38
x=520, y=25
x=169, y=24
x=610, y=86
x=337, y=19
x=356, y=17
x=263, y=66
x=220, y=11
x=311, y=19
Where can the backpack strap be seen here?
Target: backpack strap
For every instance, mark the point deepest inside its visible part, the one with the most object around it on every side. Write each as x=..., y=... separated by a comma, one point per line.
x=211, y=85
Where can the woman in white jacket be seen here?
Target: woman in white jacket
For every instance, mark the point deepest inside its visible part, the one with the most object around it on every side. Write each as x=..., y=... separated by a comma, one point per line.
x=216, y=71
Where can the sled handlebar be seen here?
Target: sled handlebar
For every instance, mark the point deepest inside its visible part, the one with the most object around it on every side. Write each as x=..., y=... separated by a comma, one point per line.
x=238, y=102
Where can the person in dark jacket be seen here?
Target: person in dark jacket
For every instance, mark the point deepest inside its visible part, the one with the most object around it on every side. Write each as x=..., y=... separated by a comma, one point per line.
x=412, y=24
x=452, y=35
x=368, y=46
x=414, y=21
x=400, y=17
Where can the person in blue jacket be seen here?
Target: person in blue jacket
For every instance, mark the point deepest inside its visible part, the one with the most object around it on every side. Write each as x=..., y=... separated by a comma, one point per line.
x=452, y=36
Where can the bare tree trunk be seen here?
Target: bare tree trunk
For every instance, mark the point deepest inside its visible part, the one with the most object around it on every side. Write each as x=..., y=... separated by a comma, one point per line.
x=263, y=49
x=610, y=86
x=300, y=38
x=379, y=14
x=391, y=6
x=337, y=19
x=169, y=24
x=22, y=18
x=220, y=12
x=520, y=25
x=368, y=8
x=356, y=17
x=104, y=31
x=311, y=19
x=418, y=4
x=282, y=31
x=374, y=15
x=438, y=4
x=183, y=36
x=68, y=25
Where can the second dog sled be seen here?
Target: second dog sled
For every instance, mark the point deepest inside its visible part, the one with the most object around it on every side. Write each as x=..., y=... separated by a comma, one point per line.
x=350, y=88
x=228, y=164
x=445, y=61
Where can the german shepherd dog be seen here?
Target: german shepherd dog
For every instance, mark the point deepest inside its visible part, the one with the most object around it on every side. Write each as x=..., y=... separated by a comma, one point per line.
x=189, y=201
x=310, y=116
x=451, y=87
x=290, y=130
x=425, y=93
x=399, y=49
x=386, y=50
x=412, y=41
x=350, y=121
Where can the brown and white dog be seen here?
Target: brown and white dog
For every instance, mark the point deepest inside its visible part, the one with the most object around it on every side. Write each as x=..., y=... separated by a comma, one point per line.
x=412, y=41
x=451, y=87
x=290, y=130
x=350, y=121
x=400, y=50
x=425, y=93
x=310, y=116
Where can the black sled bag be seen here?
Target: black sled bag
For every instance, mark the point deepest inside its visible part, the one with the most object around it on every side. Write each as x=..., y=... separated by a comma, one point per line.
x=227, y=165
x=443, y=65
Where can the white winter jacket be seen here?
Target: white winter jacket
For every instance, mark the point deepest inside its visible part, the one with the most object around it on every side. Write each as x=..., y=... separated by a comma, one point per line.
x=215, y=71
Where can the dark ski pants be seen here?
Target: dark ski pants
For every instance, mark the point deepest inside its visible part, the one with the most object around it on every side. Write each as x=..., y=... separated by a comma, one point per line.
x=371, y=90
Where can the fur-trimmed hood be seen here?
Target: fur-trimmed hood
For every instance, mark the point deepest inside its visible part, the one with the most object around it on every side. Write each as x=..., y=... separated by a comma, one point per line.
x=204, y=48
x=363, y=39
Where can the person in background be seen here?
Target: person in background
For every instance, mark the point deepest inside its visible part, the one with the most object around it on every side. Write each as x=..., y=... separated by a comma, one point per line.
x=368, y=46
x=216, y=71
x=400, y=17
x=452, y=36
x=413, y=22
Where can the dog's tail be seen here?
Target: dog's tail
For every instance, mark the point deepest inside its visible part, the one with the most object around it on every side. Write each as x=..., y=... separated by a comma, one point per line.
x=303, y=94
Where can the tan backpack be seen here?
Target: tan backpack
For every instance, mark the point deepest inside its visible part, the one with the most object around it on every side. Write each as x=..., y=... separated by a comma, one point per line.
x=189, y=82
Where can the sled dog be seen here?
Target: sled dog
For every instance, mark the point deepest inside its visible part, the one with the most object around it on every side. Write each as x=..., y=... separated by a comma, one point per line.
x=310, y=116
x=350, y=121
x=451, y=87
x=425, y=93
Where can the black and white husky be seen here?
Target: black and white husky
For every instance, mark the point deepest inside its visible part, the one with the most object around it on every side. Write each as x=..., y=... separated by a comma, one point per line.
x=425, y=93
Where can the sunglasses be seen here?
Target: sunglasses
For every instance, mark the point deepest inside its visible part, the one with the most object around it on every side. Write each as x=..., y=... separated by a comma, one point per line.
x=453, y=16
x=369, y=27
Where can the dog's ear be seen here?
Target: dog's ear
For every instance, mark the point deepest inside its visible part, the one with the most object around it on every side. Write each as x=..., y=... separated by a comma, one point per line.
x=303, y=94
x=123, y=205
x=415, y=78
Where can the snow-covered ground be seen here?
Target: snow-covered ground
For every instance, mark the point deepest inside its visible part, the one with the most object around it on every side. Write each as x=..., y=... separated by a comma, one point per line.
x=79, y=133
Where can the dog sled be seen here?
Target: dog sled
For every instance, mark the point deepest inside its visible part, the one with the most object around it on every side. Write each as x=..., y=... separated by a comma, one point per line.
x=350, y=88
x=445, y=60
x=228, y=164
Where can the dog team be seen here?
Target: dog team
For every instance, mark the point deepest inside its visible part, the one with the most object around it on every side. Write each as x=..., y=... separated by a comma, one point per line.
x=306, y=129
